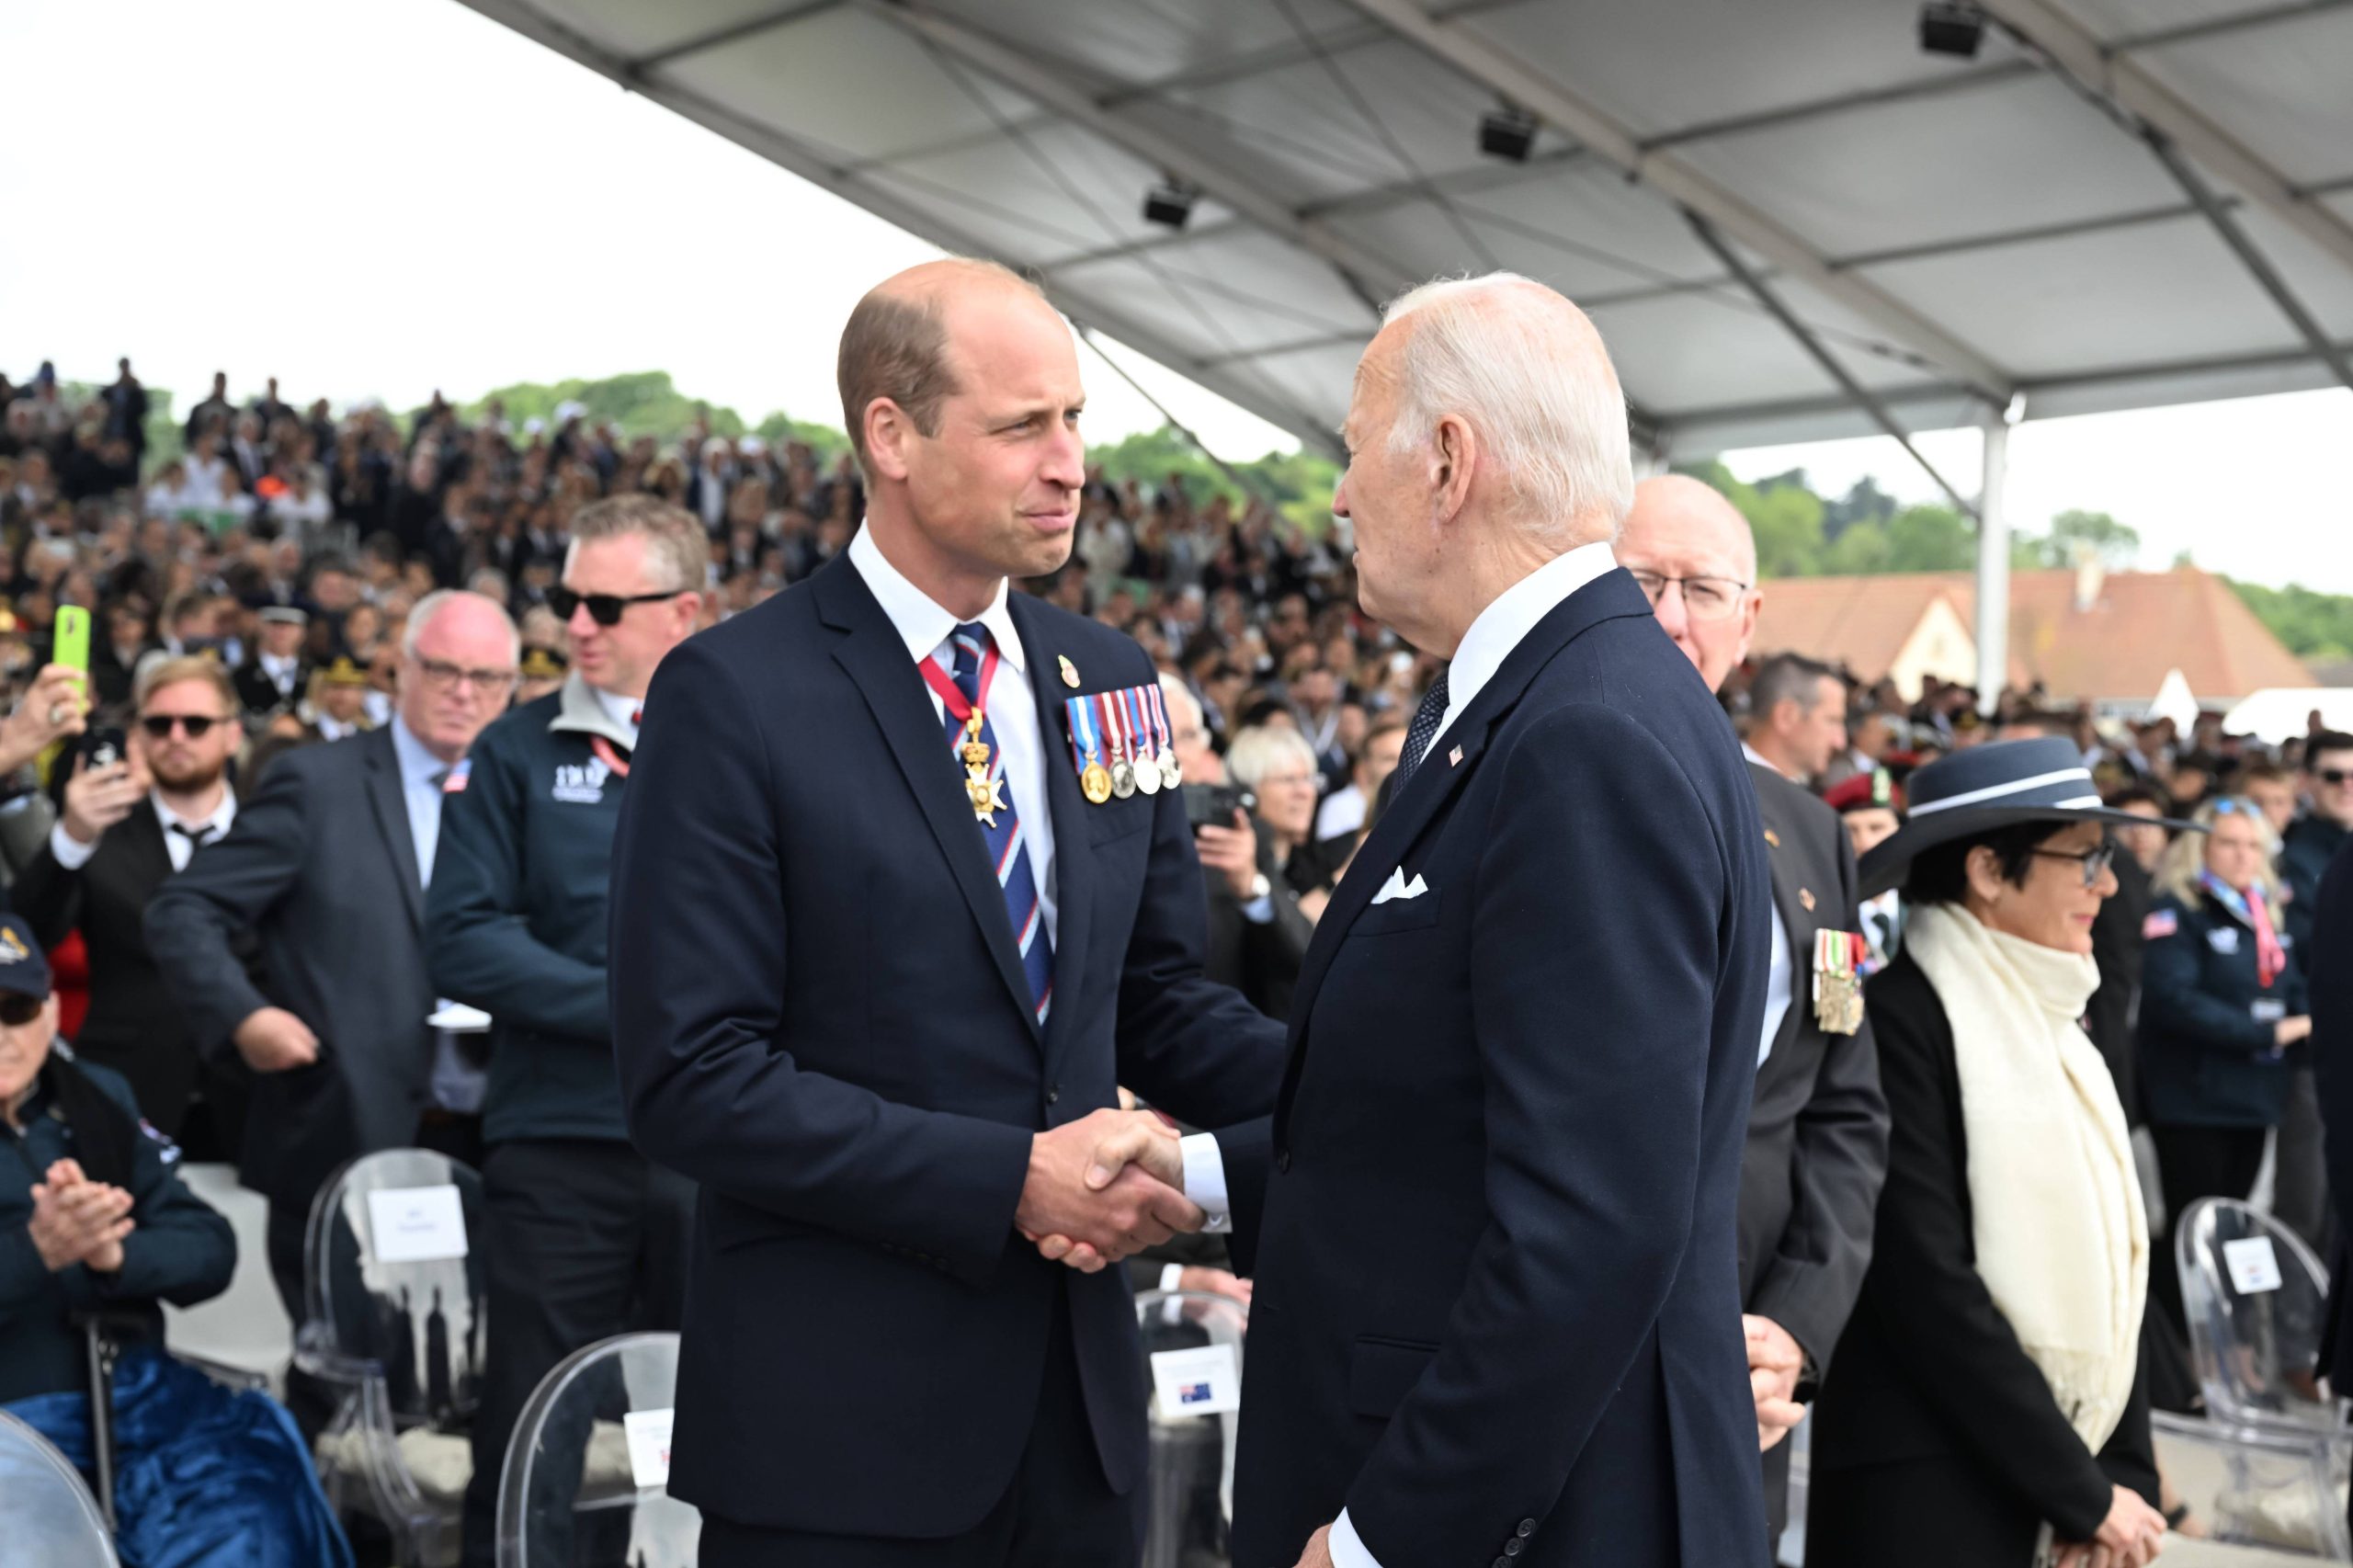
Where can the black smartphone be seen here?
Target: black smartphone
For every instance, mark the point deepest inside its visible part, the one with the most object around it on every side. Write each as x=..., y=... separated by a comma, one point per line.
x=1213, y=805
x=103, y=747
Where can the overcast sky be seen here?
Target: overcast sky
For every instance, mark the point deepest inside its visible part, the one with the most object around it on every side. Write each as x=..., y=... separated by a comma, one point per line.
x=382, y=198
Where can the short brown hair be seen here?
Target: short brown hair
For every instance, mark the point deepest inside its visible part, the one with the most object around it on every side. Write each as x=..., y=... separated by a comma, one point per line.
x=161, y=673
x=896, y=346
x=681, y=544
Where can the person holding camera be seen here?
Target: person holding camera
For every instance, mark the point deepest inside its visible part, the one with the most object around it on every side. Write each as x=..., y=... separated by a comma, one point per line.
x=1259, y=927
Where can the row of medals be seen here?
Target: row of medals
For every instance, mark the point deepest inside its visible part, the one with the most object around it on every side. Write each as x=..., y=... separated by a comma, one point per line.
x=1146, y=771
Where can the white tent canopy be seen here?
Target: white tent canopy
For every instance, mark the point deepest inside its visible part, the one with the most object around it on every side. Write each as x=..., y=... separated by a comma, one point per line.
x=2282, y=713
x=1790, y=222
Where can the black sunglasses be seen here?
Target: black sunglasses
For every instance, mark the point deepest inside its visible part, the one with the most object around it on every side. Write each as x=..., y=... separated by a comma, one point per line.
x=159, y=725
x=605, y=609
x=16, y=1011
x=2095, y=862
x=2331, y=775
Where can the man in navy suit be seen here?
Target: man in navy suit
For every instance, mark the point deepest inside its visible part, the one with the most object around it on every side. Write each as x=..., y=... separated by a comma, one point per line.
x=1492, y=1219
x=883, y=953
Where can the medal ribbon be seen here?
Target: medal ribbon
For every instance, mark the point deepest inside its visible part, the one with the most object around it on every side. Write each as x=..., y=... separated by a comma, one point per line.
x=952, y=695
x=1157, y=701
x=608, y=757
x=1144, y=725
x=1115, y=724
x=1084, y=740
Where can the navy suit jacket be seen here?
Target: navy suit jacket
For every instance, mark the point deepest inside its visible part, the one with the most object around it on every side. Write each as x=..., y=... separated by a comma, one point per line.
x=1497, y=1311
x=819, y=1017
x=2328, y=957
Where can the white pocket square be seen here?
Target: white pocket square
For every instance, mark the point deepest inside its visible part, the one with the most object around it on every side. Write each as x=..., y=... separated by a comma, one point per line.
x=1398, y=887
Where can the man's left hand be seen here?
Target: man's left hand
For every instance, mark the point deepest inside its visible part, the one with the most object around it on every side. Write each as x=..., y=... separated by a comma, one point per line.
x=1775, y=1361
x=1319, y=1549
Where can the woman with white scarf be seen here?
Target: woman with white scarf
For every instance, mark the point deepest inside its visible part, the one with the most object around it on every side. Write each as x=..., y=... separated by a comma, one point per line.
x=1985, y=1407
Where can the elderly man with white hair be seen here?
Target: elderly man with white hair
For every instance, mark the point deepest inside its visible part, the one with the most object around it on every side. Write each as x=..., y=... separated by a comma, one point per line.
x=1491, y=1219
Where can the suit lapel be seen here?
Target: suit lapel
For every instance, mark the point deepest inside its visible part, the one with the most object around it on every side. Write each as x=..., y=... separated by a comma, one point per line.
x=875, y=658
x=1074, y=844
x=149, y=856
x=1784, y=853
x=392, y=817
x=1453, y=756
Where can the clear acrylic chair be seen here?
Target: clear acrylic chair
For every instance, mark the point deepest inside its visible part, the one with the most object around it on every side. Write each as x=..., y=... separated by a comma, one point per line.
x=394, y=1317
x=2254, y=1336
x=2256, y=1349
x=1190, y=1500
x=587, y=1470
x=47, y=1516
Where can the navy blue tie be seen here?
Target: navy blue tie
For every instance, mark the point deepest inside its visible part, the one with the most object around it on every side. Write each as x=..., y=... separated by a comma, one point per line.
x=1423, y=731
x=1008, y=848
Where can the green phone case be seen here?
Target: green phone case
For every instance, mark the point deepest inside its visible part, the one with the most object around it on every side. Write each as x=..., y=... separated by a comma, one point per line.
x=73, y=638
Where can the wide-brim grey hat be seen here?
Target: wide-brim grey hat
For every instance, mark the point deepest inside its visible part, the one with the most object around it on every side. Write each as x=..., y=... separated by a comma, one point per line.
x=1988, y=786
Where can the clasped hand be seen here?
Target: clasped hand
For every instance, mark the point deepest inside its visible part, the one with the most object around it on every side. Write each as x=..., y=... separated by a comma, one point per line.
x=1105, y=1187
x=76, y=1220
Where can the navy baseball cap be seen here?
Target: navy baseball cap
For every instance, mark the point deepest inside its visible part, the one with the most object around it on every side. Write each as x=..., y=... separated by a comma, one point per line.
x=24, y=972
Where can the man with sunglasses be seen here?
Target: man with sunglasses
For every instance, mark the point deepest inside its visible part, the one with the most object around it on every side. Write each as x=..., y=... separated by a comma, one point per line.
x=126, y=827
x=2313, y=839
x=586, y=1238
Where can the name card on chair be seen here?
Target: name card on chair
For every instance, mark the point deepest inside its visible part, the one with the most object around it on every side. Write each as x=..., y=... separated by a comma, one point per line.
x=2255, y=1267
x=416, y=1224
x=648, y=1446
x=1203, y=1380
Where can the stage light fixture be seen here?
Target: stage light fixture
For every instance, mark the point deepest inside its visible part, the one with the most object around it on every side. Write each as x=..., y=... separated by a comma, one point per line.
x=1507, y=133
x=1949, y=27
x=1169, y=203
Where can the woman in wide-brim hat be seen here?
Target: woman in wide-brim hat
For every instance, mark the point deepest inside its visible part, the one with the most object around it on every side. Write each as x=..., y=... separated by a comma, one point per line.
x=1985, y=1404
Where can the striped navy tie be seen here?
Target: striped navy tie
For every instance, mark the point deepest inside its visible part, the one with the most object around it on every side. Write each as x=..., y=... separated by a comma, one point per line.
x=1007, y=849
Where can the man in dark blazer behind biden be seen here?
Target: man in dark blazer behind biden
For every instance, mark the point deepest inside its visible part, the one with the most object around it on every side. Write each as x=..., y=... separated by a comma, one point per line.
x=883, y=1026
x=1497, y=1312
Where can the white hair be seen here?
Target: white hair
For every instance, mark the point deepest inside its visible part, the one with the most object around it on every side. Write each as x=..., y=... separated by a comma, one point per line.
x=1256, y=750
x=428, y=609
x=1528, y=372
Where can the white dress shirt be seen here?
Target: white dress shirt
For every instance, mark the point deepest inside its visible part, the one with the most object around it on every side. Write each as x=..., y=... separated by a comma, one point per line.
x=1011, y=706
x=1499, y=628
x=1342, y=811
x=73, y=854
x=457, y=1083
x=1507, y=620
x=1781, y=977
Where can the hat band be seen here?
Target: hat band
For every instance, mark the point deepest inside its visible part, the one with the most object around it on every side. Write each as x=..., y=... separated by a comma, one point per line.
x=2016, y=787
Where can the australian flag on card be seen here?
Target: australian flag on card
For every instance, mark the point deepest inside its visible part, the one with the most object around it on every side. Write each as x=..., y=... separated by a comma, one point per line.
x=1193, y=1393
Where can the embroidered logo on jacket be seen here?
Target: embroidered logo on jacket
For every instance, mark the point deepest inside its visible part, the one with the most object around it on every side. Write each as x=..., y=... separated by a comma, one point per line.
x=581, y=784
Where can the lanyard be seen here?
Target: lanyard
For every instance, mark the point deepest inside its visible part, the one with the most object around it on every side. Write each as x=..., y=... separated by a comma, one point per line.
x=958, y=704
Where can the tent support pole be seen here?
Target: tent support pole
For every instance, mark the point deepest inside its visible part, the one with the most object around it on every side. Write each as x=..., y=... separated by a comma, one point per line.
x=1994, y=568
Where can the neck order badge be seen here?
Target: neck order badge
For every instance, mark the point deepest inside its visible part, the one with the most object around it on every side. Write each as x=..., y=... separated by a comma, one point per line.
x=982, y=788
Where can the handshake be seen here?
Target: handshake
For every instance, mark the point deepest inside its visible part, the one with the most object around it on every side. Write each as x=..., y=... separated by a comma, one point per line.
x=1103, y=1188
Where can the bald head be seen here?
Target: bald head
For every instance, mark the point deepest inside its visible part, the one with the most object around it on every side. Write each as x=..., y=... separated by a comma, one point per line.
x=899, y=344
x=1692, y=551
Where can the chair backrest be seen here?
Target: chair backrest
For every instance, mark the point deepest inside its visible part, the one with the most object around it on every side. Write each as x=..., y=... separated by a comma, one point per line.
x=47, y=1514
x=587, y=1477
x=1193, y=1349
x=2257, y=1303
x=393, y=1288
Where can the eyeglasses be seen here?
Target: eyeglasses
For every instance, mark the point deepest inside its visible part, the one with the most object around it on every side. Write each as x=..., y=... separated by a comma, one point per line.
x=1704, y=598
x=2095, y=861
x=2331, y=775
x=16, y=1011
x=159, y=726
x=605, y=609
x=448, y=676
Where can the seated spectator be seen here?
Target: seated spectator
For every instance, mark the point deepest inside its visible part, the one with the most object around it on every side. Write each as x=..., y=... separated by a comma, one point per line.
x=1274, y=762
x=1344, y=811
x=94, y=1221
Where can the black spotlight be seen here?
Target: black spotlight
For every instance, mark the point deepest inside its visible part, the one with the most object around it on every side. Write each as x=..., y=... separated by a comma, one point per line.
x=1168, y=203
x=1507, y=133
x=1947, y=27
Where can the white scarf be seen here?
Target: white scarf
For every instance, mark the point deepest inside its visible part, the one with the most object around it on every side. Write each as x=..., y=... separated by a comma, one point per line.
x=2062, y=1241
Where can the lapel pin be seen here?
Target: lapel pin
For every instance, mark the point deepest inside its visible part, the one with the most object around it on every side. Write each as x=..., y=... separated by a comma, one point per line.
x=1454, y=757
x=1805, y=898
x=1070, y=671
x=1772, y=839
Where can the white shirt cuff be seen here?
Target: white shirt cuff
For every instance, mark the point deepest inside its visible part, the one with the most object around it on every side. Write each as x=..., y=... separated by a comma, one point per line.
x=1205, y=1180
x=1260, y=911
x=67, y=850
x=1347, y=1550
